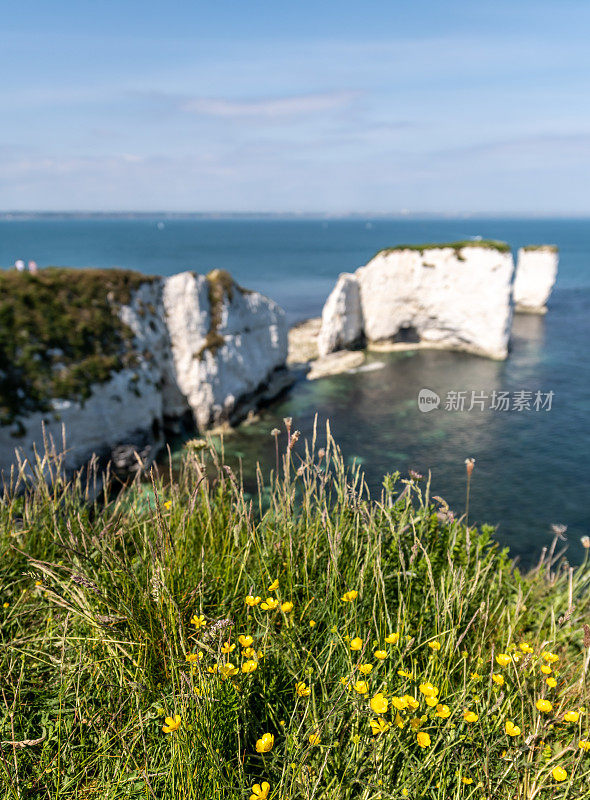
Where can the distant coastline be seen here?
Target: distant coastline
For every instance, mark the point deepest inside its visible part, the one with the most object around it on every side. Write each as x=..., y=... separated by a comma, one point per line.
x=7, y=216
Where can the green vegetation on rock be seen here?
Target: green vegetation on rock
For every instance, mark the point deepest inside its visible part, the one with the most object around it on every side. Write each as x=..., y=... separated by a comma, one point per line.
x=488, y=244
x=551, y=247
x=220, y=285
x=60, y=333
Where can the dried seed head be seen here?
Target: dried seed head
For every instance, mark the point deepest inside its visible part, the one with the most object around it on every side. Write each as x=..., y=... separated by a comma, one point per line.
x=81, y=580
x=275, y=432
x=416, y=476
x=585, y=542
x=288, y=422
x=559, y=531
x=586, y=635
x=469, y=465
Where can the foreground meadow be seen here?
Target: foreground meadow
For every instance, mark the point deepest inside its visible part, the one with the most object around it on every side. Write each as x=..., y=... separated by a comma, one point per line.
x=308, y=642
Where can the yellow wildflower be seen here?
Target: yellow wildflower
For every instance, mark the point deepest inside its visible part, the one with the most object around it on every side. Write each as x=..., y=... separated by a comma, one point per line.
x=302, y=689
x=365, y=669
x=549, y=657
x=511, y=729
x=423, y=739
x=428, y=690
x=559, y=774
x=348, y=597
x=265, y=744
x=314, y=739
x=503, y=659
x=403, y=673
x=442, y=711
x=431, y=701
x=172, y=724
x=362, y=687
x=269, y=604
x=470, y=716
x=274, y=585
x=584, y=744
x=399, y=721
x=228, y=648
x=400, y=703
x=551, y=683
x=544, y=705
x=499, y=679
x=198, y=621
x=287, y=606
x=475, y=676
x=38, y=583
x=356, y=643
x=246, y=641
x=379, y=703
x=228, y=670
x=434, y=645
x=379, y=726
x=312, y=623
x=467, y=780
x=546, y=669
x=392, y=638
x=415, y=723
x=192, y=658
x=253, y=601
x=571, y=716
x=249, y=666
x=411, y=701
x=168, y=505
x=249, y=652
x=525, y=648
x=260, y=792
x=380, y=654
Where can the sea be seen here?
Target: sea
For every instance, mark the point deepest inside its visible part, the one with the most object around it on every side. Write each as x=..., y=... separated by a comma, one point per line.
x=531, y=457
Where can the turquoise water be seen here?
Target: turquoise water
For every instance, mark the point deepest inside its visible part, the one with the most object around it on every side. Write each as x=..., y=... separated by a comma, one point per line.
x=531, y=466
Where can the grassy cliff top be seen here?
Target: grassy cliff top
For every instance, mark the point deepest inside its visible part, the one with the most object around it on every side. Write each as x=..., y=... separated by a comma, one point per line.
x=60, y=333
x=488, y=244
x=552, y=247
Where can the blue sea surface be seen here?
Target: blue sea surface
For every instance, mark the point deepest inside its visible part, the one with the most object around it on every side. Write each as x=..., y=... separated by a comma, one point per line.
x=531, y=466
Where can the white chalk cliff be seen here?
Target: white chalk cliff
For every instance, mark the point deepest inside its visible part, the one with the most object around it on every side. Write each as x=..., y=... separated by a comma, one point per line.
x=202, y=344
x=444, y=296
x=536, y=270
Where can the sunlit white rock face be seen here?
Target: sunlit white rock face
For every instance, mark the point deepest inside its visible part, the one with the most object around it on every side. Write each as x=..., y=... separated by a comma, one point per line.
x=536, y=270
x=440, y=296
x=211, y=361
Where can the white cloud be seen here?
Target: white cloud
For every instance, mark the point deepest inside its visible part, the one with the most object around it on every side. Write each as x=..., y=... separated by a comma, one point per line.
x=297, y=105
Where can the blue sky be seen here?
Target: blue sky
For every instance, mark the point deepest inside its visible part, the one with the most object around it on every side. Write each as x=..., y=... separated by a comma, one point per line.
x=431, y=105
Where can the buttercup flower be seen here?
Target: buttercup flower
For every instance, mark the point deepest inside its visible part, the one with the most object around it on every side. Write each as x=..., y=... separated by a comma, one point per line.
x=470, y=716
x=265, y=744
x=584, y=744
x=442, y=711
x=380, y=654
x=411, y=702
x=379, y=703
x=512, y=729
x=249, y=666
x=302, y=690
x=249, y=652
x=423, y=739
x=400, y=703
x=571, y=716
x=434, y=645
x=198, y=621
x=546, y=670
x=172, y=724
x=503, y=659
x=356, y=643
x=274, y=585
x=499, y=679
x=551, y=683
x=287, y=606
x=403, y=673
x=348, y=597
x=314, y=739
x=252, y=601
x=246, y=641
x=428, y=690
x=228, y=648
x=269, y=604
x=192, y=658
x=467, y=780
x=475, y=676
x=392, y=638
x=228, y=670
x=525, y=648
x=168, y=505
x=549, y=657
x=415, y=723
x=544, y=705
x=379, y=726
x=362, y=687
x=312, y=623
x=559, y=774
x=365, y=669
x=260, y=792
x=431, y=701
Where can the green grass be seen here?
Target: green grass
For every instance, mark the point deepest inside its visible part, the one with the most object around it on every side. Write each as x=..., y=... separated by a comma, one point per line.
x=60, y=333
x=96, y=631
x=488, y=244
x=552, y=247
